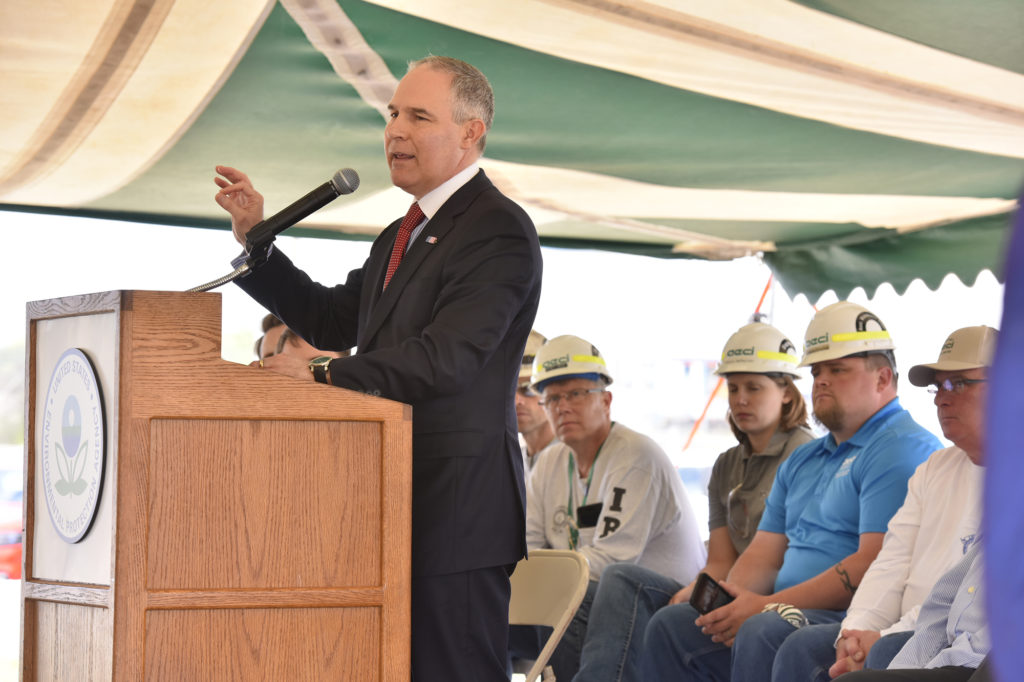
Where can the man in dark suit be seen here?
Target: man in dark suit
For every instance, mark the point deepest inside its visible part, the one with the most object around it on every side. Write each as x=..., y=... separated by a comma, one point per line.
x=445, y=332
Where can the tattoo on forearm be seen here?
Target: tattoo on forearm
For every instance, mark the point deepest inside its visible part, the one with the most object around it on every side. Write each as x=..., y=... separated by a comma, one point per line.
x=844, y=577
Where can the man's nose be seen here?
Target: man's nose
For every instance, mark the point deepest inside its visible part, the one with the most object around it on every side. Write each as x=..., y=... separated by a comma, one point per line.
x=395, y=128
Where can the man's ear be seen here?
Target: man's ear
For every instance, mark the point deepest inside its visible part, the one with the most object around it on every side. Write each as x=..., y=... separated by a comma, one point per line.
x=472, y=131
x=885, y=377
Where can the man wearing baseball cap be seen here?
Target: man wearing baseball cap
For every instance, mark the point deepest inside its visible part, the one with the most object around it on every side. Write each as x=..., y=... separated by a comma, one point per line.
x=534, y=428
x=937, y=525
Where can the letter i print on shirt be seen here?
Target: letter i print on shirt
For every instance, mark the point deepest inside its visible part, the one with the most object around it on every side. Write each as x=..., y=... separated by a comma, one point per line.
x=611, y=524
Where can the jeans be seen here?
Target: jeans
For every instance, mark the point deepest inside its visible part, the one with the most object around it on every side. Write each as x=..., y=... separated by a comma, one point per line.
x=627, y=596
x=885, y=649
x=526, y=641
x=761, y=636
x=808, y=653
x=676, y=649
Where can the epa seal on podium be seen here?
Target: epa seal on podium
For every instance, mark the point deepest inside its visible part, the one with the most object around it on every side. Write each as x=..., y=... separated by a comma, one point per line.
x=73, y=447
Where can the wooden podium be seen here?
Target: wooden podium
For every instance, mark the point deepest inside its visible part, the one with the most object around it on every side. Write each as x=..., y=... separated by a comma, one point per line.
x=248, y=526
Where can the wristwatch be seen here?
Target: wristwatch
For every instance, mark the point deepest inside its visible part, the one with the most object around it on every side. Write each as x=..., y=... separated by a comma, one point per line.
x=321, y=369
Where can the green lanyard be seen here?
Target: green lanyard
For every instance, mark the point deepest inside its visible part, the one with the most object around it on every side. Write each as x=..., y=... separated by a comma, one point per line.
x=574, y=531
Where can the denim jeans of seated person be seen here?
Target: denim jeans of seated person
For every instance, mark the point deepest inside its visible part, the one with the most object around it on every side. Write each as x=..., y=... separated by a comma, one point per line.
x=627, y=596
x=676, y=649
x=808, y=653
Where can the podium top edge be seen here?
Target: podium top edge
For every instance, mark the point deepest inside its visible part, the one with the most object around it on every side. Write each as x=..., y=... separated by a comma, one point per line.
x=101, y=301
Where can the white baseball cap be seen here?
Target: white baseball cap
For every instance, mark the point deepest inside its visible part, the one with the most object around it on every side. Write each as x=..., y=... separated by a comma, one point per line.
x=967, y=348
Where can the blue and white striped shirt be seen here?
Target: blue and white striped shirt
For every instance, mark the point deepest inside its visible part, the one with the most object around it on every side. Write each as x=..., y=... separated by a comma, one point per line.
x=952, y=628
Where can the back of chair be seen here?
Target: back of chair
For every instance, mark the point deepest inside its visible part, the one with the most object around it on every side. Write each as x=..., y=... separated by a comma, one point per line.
x=547, y=589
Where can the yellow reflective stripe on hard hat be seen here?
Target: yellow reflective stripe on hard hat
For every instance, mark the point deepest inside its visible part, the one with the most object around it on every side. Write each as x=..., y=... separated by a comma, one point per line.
x=861, y=336
x=588, y=358
x=784, y=357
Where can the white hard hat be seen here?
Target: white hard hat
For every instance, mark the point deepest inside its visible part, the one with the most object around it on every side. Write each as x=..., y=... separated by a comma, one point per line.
x=967, y=348
x=533, y=344
x=843, y=329
x=566, y=357
x=759, y=348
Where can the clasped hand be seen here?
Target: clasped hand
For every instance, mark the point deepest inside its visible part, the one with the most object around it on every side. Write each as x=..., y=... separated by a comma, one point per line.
x=852, y=650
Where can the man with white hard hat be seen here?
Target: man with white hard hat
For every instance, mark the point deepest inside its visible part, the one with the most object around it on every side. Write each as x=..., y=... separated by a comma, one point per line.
x=937, y=525
x=534, y=428
x=824, y=518
x=602, y=489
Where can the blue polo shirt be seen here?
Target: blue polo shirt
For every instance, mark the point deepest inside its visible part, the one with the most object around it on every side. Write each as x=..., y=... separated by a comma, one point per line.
x=825, y=495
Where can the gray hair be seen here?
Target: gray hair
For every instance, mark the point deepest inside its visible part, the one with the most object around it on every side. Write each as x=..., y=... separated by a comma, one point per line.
x=472, y=96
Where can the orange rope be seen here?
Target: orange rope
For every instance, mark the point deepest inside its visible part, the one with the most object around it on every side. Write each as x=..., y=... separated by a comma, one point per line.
x=700, y=420
x=718, y=385
x=764, y=294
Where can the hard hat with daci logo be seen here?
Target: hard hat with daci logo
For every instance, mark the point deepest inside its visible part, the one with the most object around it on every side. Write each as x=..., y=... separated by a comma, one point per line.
x=758, y=348
x=566, y=357
x=842, y=329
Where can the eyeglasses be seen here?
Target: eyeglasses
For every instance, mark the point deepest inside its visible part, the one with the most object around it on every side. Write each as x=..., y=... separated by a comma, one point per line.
x=574, y=397
x=526, y=391
x=953, y=385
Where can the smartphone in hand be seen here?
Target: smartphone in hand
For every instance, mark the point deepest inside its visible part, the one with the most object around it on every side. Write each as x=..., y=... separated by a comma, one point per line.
x=708, y=595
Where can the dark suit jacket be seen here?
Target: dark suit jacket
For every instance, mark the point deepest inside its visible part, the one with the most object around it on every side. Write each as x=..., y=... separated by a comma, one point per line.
x=447, y=337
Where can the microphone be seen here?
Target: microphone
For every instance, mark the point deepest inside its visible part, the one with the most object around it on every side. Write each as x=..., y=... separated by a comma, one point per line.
x=261, y=236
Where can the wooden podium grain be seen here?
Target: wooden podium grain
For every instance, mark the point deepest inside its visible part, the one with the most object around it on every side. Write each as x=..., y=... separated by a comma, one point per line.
x=251, y=526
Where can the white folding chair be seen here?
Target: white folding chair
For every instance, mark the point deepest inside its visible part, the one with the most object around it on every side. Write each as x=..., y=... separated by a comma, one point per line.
x=547, y=589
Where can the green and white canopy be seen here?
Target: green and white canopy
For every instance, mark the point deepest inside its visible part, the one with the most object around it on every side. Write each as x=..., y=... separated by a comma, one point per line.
x=852, y=142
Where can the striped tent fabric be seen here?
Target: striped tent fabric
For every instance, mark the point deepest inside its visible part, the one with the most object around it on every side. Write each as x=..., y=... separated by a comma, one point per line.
x=849, y=142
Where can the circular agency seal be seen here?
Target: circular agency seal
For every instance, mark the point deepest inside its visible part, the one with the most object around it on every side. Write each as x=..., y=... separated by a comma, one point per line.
x=73, y=445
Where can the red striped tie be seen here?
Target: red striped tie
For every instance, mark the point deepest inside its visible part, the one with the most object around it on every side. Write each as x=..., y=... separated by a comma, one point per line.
x=411, y=220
